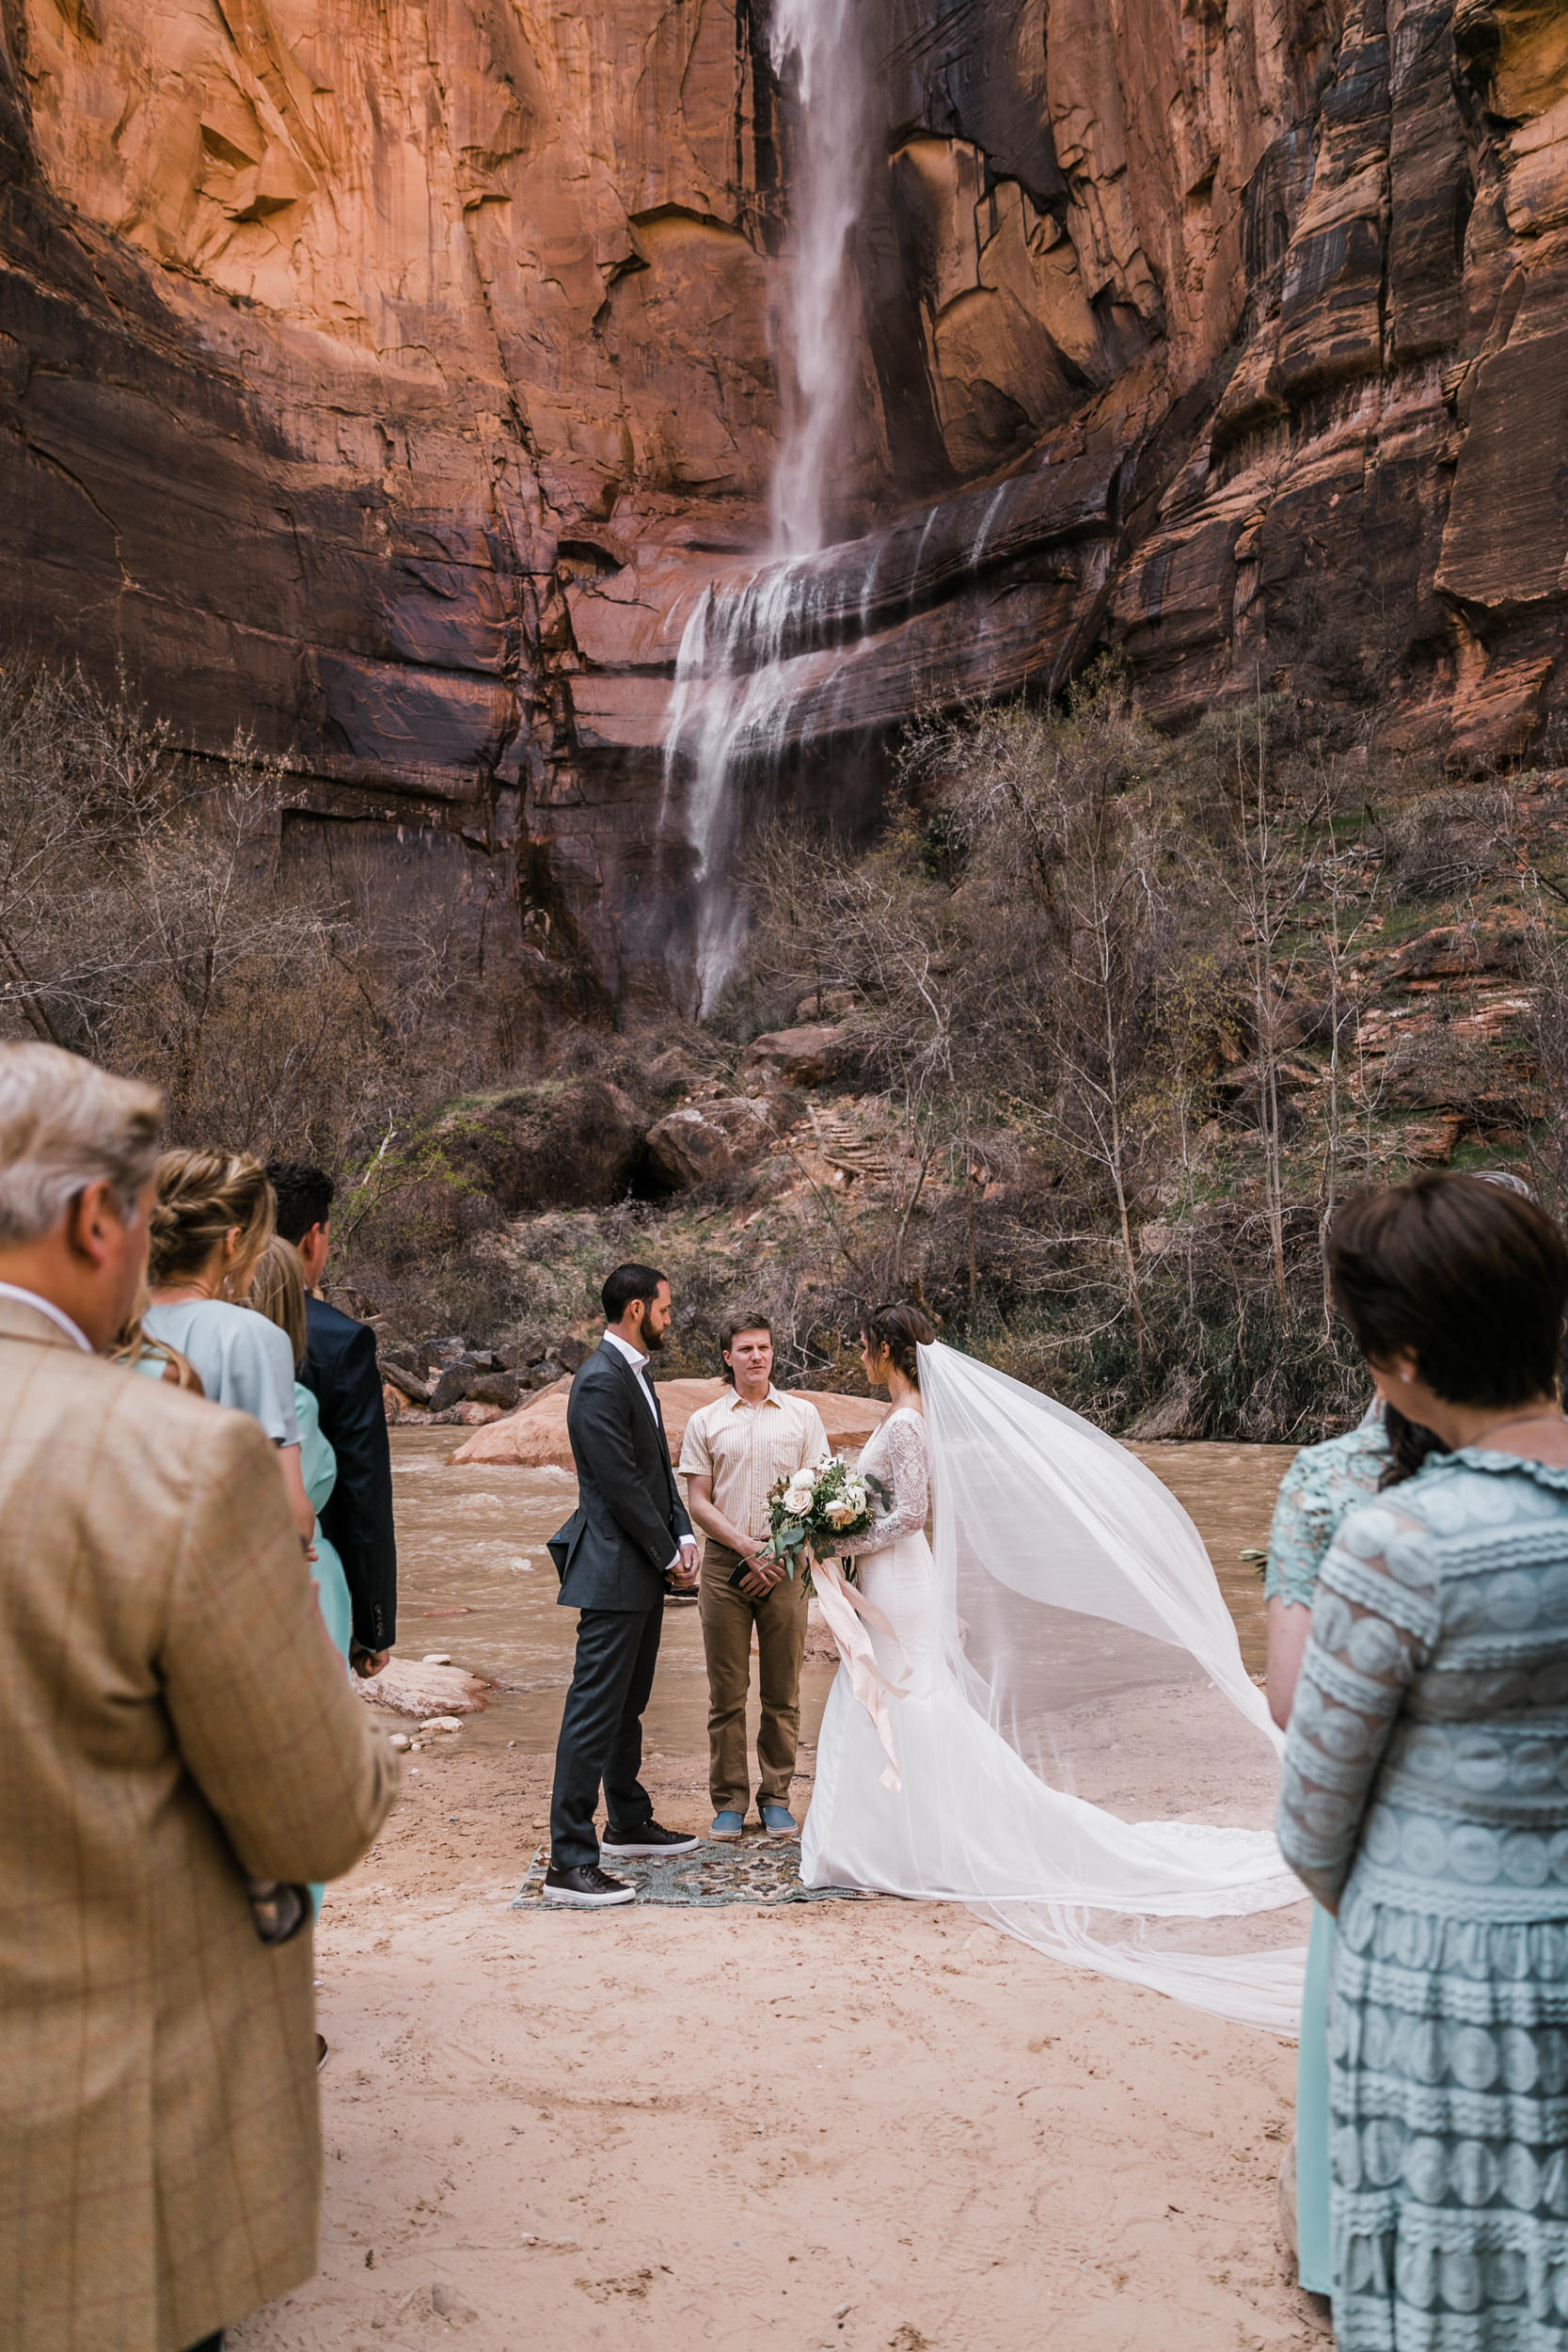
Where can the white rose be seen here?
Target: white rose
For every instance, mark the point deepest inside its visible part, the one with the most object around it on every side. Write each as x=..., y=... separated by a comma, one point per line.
x=798, y=1497
x=855, y=1495
x=841, y=1512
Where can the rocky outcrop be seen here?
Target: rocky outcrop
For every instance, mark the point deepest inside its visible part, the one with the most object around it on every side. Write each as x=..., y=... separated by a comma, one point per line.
x=816, y=1053
x=564, y=1143
x=698, y=1141
x=535, y=1437
x=400, y=382
x=432, y=1688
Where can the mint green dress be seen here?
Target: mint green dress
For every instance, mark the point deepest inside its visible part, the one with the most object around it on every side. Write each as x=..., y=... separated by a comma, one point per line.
x=318, y=1466
x=1322, y=1484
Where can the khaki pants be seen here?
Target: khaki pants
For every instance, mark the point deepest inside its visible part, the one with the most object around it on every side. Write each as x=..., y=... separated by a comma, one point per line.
x=727, y=1618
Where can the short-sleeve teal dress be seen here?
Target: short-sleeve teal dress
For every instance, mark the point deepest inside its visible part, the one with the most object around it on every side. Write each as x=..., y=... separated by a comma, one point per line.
x=240, y=1356
x=243, y=1360
x=1322, y=1484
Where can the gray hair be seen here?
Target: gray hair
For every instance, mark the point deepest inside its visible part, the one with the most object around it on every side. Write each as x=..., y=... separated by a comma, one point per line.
x=66, y=1125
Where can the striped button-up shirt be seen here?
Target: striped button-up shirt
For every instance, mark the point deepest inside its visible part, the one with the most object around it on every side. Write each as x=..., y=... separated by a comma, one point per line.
x=746, y=1449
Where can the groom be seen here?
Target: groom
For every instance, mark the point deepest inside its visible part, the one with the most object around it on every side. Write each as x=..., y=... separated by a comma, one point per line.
x=628, y=1536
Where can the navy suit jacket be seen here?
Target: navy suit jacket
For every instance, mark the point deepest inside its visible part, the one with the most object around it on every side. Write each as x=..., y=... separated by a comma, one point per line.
x=613, y=1550
x=340, y=1372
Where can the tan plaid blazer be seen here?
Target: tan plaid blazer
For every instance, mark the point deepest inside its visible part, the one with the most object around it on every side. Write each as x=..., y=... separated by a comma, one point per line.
x=171, y=1713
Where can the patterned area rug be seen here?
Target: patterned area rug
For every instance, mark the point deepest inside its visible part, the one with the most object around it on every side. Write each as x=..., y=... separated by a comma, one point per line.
x=747, y=1871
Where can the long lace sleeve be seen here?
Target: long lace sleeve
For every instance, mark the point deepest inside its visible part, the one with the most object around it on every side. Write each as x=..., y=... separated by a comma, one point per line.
x=1374, y=1624
x=897, y=1457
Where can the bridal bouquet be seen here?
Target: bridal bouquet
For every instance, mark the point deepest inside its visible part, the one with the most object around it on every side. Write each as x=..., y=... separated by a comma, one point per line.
x=816, y=1510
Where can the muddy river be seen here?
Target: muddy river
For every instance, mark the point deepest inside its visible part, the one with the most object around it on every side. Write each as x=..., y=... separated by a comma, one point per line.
x=478, y=1584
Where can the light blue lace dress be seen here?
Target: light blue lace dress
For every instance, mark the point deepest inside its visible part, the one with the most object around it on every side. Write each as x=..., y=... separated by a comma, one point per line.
x=1425, y=1792
x=1322, y=1484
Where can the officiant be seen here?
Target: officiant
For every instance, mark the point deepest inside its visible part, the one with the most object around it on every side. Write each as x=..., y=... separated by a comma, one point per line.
x=735, y=1449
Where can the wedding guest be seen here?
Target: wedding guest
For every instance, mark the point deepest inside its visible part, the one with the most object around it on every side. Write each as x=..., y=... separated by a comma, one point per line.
x=1420, y=1801
x=277, y=1292
x=137, y=1352
x=628, y=1539
x=160, y=2151
x=340, y=1372
x=1322, y=1485
x=733, y=1452
x=211, y=1218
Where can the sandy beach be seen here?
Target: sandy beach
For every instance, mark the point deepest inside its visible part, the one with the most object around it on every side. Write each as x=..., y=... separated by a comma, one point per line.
x=868, y=2124
x=876, y=2125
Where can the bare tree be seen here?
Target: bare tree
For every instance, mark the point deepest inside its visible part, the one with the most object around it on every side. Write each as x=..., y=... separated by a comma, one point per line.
x=1065, y=915
x=1266, y=884
x=1337, y=940
x=147, y=918
x=79, y=776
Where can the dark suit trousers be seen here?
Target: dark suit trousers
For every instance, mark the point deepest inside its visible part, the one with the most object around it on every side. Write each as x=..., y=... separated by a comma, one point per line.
x=601, y=1732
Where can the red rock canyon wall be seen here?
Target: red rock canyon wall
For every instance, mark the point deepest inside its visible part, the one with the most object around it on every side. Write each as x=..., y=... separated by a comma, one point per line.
x=397, y=382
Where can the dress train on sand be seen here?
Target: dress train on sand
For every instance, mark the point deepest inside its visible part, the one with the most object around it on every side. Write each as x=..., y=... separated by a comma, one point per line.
x=1058, y=1664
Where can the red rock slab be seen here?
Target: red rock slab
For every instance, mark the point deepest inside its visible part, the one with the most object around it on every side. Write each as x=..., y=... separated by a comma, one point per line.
x=534, y=1436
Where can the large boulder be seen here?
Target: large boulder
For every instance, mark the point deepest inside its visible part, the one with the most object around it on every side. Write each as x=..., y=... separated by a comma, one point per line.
x=809, y=1057
x=702, y=1140
x=534, y=1436
x=564, y=1143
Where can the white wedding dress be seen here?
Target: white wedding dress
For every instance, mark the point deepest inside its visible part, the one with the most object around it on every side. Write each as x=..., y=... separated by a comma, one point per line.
x=1064, y=1738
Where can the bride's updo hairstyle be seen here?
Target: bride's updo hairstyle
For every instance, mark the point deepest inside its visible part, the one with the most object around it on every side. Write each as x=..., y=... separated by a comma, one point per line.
x=1468, y=1278
x=901, y=1329
x=202, y=1196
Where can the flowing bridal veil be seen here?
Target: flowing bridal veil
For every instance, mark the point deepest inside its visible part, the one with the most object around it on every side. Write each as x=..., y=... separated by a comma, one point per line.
x=1076, y=1609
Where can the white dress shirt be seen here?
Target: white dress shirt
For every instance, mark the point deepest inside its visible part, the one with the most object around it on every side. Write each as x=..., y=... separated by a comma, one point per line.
x=638, y=1364
x=55, y=1314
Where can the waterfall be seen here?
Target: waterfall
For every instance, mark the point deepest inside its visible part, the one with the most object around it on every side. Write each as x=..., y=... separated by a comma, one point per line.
x=733, y=676
x=734, y=685
x=821, y=40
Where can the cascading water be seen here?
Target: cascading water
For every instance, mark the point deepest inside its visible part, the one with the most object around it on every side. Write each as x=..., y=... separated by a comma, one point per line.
x=735, y=680
x=821, y=40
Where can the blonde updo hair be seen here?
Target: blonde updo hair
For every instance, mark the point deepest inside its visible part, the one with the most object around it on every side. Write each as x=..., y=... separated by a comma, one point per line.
x=279, y=1291
x=201, y=1197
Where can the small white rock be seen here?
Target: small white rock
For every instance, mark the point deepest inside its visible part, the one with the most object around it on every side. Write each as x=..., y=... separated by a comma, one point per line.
x=399, y=1741
x=416, y=1745
x=436, y=1658
x=442, y=1723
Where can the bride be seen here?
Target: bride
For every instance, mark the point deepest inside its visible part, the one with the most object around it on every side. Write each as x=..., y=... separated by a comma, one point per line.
x=1042, y=1713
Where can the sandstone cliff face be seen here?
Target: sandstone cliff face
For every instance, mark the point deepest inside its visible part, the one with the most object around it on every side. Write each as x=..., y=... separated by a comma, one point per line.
x=398, y=381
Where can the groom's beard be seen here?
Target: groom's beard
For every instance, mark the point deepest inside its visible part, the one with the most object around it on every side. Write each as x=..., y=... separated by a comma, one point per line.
x=652, y=1341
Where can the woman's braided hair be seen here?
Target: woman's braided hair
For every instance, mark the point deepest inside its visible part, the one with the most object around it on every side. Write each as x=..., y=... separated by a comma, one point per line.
x=200, y=1196
x=901, y=1329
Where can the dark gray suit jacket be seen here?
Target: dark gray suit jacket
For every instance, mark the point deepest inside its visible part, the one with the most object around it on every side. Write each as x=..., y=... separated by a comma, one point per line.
x=613, y=1550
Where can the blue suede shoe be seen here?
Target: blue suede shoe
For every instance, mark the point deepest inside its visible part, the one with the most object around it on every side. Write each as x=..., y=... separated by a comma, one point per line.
x=727, y=1826
x=777, y=1820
